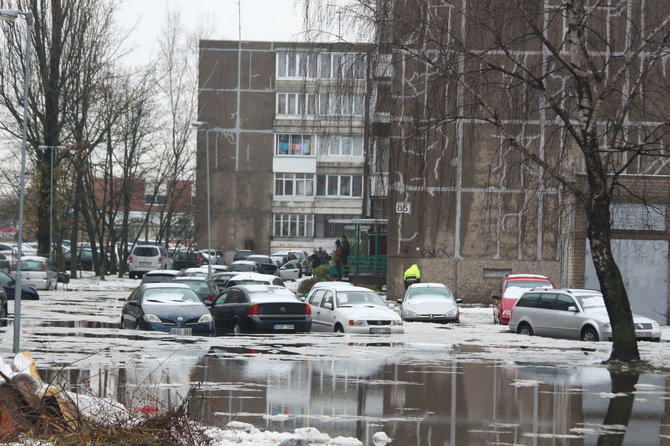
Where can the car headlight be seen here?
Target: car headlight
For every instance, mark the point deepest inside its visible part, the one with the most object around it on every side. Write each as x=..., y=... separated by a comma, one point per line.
x=205, y=318
x=655, y=325
x=396, y=322
x=451, y=313
x=507, y=312
x=151, y=318
x=607, y=325
x=409, y=313
x=357, y=323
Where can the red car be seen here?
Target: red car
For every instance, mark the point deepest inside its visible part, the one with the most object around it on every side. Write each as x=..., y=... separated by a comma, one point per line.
x=513, y=286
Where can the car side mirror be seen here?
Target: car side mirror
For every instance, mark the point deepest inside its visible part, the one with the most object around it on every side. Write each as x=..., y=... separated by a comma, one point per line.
x=134, y=303
x=328, y=305
x=459, y=301
x=208, y=303
x=572, y=308
x=495, y=297
x=398, y=301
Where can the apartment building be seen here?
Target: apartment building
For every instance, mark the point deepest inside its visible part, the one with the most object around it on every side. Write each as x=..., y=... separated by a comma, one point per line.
x=286, y=126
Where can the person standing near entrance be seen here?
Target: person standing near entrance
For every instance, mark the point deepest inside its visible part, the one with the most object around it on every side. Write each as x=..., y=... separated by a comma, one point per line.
x=345, y=255
x=412, y=275
x=315, y=258
x=337, y=258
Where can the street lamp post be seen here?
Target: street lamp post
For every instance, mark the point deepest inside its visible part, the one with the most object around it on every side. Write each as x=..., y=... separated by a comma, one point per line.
x=51, y=196
x=11, y=15
x=205, y=126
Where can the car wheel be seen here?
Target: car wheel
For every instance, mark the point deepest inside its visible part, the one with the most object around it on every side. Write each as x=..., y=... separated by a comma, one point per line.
x=339, y=328
x=525, y=329
x=26, y=296
x=137, y=326
x=589, y=334
x=4, y=312
x=237, y=329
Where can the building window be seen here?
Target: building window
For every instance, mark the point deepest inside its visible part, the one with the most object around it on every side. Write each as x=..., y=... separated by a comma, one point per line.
x=293, y=225
x=155, y=199
x=340, y=145
x=325, y=229
x=289, y=144
x=345, y=186
x=293, y=104
x=309, y=65
x=294, y=184
x=341, y=104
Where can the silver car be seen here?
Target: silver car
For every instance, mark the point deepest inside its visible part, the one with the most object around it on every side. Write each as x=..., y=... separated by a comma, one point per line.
x=429, y=302
x=568, y=313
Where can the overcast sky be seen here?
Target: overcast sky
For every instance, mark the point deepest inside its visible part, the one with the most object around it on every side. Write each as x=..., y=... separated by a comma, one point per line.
x=275, y=20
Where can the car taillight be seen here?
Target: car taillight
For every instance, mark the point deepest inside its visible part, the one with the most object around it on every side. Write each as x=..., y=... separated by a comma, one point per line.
x=253, y=310
x=160, y=260
x=44, y=267
x=308, y=310
x=210, y=298
x=130, y=259
x=197, y=259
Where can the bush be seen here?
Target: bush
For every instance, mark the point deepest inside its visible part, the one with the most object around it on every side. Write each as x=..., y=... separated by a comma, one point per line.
x=322, y=274
x=307, y=284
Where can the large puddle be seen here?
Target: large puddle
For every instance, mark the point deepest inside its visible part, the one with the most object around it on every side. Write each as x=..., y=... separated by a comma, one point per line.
x=459, y=401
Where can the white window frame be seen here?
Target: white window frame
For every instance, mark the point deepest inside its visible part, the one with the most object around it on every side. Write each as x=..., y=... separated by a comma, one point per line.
x=294, y=180
x=304, y=104
x=351, y=178
x=293, y=225
x=294, y=137
x=334, y=145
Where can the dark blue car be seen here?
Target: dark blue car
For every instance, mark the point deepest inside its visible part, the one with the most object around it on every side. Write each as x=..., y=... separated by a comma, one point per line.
x=9, y=286
x=169, y=307
x=260, y=309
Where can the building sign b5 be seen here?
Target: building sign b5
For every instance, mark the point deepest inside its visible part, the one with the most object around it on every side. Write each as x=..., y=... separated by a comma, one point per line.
x=403, y=208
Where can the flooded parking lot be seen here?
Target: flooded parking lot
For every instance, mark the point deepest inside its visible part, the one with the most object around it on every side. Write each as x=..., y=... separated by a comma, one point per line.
x=468, y=384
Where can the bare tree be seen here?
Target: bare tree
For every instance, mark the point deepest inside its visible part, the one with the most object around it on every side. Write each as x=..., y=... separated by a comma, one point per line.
x=587, y=74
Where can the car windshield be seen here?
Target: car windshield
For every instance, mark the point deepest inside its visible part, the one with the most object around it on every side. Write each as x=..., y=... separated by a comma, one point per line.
x=248, y=282
x=243, y=267
x=351, y=298
x=156, y=278
x=145, y=251
x=528, y=283
x=425, y=294
x=31, y=265
x=171, y=295
x=594, y=301
x=196, y=285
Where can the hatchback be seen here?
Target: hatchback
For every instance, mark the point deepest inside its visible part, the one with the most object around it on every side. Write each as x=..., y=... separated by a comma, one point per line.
x=205, y=288
x=512, y=287
x=169, y=307
x=37, y=272
x=260, y=308
x=575, y=314
x=160, y=276
x=144, y=258
x=429, y=302
x=345, y=308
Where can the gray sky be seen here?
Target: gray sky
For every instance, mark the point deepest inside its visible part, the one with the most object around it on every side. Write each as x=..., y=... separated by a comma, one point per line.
x=276, y=20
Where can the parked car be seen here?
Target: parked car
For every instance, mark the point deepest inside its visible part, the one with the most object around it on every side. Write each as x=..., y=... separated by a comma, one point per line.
x=4, y=312
x=254, y=279
x=183, y=260
x=291, y=270
x=259, y=309
x=216, y=256
x=265, y=263
x=218, y=268
x=84, y=260
x=37, y=272
x=144, y=258
x=222, y=278
x=9, y=285
x=160, y=276
x=242, y=254
x=169, y=307
x=345, y=308
x=205, y=288
x=574, y=314
x=5, y=262
x=429, y=302
x=243, y=266
x=201, y=271
x=304, y=261
x=512, y=287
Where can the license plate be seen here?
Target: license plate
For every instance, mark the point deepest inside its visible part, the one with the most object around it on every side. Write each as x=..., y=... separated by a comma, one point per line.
x=181, y=331
x=643, y=334
x=284, y=327
x=380, y=330
x=145, y=263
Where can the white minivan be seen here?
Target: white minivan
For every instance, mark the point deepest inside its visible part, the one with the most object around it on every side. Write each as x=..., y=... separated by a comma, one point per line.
x=37, y=272
x=145, y=258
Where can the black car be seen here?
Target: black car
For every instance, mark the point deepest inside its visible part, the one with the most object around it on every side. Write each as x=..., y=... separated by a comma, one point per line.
x=242, y=254
x=84, y=260
x=205, y=288
x=260, y=309
x=183, y=260
x=169, y=307
x=9, y=285
x=221, y=279
x=160, y=276
x=265, y=263
x=3, y=307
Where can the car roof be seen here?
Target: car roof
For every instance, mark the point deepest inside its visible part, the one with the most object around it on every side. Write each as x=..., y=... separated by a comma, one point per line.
x=253, y=276
x=270, y=290
x=191, y=279
x=35, y=258
x=163, y=272
x=197, y=269
x=526, y=276
x=340, y=286
x=165, y=285
x=428, y=285
x=244, y=262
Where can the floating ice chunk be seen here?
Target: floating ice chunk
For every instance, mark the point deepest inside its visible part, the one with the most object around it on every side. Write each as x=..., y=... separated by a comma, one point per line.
x=380, y=438
x=312, y=434
x=278, y=417
x=240, y=426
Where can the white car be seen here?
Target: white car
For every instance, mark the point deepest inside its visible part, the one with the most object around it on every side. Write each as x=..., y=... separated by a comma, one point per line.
x=429, y=302
x=38, y=272
x=291, y=270
x=344, y=308
x=145, y=258
x=254, y=279
x=573, y=314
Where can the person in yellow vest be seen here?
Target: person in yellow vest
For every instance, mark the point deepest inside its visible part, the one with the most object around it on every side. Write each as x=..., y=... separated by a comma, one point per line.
x=412, y=275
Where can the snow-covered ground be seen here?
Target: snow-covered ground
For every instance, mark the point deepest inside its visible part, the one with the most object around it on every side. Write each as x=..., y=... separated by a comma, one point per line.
x=78, y=329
